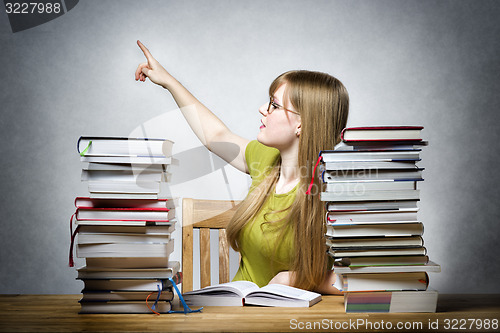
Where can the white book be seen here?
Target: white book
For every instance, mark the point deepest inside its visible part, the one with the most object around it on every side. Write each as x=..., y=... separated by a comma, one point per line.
x=373, y=174
x=375, y=229
x=128, y=273
x=152, y=191
x=115, y=307
x=132, y=168
x=371, y=205
x=132, y=214
x=345, y=253
x=111, y=295
x=123, y=146
x=126, y=229
x=391, y=301
x=239, y=293
x=405, y=214
x=128, y=262
x=371, y=195
x=352, y=155
x=363, y=165
x=353, y=242
x=126, y=285
x=128, y=196
x=127, y=159
x=380, y=145
x=384, y=281
x=132, y=186
x=384, y=261
x=365, y=186
x=125, y=250
x=116, y=238
x=106, y=176
x=428, y=267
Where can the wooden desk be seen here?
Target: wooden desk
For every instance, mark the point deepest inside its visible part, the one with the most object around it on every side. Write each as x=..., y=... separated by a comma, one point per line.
x=59, y=313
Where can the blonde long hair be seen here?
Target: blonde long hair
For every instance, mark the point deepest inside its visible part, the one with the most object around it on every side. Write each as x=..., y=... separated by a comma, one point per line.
x=323, y=104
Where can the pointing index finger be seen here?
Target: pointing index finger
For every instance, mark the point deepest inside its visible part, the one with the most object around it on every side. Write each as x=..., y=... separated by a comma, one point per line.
x=145, y=51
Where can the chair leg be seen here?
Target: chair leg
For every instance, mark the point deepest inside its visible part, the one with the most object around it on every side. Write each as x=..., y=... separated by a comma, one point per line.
x=205, y=279
x=223, y=257
x=187, y=258
x=187, y=245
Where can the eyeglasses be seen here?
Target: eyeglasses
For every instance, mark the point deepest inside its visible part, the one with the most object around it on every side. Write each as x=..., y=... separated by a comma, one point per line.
x=275, y=106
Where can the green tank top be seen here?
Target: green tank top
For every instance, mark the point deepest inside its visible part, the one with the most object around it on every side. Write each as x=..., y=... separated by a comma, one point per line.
x=266, y=248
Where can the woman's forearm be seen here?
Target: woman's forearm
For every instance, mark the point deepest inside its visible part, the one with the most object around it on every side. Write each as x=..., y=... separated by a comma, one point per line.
x=327, y=287
x=205, y=125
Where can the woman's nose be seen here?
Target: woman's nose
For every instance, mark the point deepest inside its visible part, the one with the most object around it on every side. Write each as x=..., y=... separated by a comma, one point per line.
x=263, y=109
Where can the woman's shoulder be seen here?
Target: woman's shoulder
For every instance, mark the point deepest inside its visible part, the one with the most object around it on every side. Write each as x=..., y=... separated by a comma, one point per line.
x=255, y=147
x=259, y=156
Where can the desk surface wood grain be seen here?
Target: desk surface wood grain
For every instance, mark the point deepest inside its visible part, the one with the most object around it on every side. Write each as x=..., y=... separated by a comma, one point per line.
x=59, y=313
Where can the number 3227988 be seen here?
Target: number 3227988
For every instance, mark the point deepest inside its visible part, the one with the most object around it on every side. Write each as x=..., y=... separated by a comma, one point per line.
x=32, y=8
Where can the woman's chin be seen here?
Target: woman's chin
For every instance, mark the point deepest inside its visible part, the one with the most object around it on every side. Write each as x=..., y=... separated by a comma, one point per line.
x=262, y=140
x=261, y=137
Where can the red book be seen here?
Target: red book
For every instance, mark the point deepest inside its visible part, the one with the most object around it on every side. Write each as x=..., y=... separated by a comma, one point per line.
x=382, y=133
x=124, y=214
x=85, y=202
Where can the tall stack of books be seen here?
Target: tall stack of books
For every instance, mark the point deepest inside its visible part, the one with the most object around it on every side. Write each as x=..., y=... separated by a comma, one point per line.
x=373, y=231
x=123, y=228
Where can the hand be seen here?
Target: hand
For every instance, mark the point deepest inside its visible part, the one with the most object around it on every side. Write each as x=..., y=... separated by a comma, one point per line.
x=151, y=69
x=282, y=278
x=328, y=285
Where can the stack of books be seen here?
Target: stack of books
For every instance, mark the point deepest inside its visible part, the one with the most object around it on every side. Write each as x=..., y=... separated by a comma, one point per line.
x=124, y=227
x=372, y=226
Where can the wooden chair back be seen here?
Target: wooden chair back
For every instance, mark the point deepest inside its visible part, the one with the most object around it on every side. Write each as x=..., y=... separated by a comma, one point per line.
x=205, y=215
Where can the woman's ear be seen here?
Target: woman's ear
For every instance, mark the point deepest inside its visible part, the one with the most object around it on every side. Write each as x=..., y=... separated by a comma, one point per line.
x=297, y=131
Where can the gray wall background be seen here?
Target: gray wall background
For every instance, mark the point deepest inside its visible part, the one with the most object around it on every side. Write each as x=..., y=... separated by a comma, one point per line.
x=430, y=63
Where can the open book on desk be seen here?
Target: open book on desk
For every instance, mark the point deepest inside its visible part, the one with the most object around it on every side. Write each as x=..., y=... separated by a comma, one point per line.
x=239, y=293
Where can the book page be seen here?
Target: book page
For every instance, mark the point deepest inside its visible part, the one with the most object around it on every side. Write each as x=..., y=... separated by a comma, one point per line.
x=288, y=291
x=244, y=287
x=241, y=288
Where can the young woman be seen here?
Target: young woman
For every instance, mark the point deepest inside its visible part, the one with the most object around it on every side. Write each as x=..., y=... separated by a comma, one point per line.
x=278, y=228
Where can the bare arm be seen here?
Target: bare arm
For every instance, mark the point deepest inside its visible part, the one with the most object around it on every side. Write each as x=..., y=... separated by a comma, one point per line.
x=326, y=288
x=211, y=131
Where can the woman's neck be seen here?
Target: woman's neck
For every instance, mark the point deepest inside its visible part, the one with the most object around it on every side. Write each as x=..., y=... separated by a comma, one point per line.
x=289, y=173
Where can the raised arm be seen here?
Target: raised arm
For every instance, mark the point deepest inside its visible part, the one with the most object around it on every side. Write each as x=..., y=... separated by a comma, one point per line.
x=211, y=131
x=326, y=288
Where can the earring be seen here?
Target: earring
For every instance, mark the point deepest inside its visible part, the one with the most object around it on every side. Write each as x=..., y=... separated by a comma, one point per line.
x=297, y=133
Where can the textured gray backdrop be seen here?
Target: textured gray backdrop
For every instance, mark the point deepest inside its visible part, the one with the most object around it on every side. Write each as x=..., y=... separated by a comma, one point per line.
x=430, y=63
